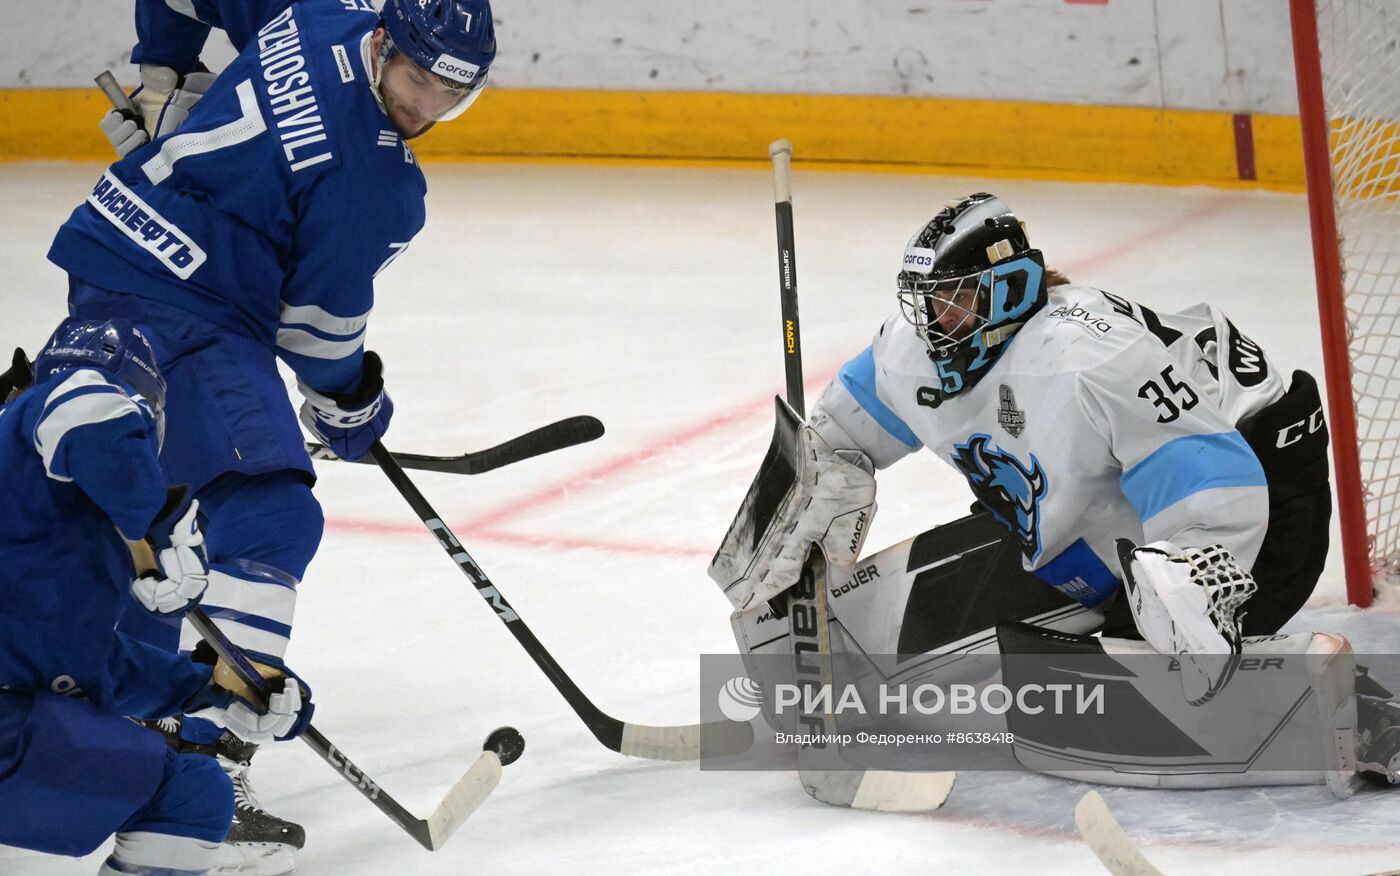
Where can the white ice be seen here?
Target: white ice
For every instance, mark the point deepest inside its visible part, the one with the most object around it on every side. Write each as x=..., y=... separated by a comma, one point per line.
x=647, y=297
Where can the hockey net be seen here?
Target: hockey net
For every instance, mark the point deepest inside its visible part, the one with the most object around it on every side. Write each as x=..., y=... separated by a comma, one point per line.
x=1348, y=64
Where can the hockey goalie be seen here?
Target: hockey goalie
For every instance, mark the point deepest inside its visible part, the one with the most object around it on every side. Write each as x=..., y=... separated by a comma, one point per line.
x=1145, y=483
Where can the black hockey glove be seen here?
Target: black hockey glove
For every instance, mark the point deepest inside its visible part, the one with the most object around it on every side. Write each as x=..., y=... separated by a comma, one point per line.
x=16, y=380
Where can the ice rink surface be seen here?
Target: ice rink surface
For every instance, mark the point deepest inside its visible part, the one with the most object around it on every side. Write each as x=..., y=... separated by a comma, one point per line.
x=647, y=297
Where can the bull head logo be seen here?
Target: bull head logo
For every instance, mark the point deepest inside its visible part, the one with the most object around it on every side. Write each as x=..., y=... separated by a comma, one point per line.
x=1010, y=491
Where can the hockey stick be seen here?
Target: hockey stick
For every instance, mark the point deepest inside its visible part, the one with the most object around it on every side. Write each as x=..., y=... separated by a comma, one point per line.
x=545, y=439
x=1106, y=838
x=636, y=740
x=780, y=152
x=470, y=791
x=432, y=832
x=825, y=775
x=1111, y=844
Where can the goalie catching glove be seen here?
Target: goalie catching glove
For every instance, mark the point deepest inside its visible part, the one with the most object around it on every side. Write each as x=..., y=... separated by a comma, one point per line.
x=163, y=102
x=1187, y=602
x=805, y=494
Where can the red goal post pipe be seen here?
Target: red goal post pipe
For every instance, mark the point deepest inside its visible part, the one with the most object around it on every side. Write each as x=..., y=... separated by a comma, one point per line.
x=1336, y=354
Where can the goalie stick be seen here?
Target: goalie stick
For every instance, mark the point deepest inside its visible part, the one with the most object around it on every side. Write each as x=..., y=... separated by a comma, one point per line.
x=1111, y=845
x=545, y=439
x=681, y=742
x=825, y=775
x=470, y=791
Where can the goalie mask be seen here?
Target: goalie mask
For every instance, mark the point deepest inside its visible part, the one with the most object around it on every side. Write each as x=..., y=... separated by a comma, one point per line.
x=970, y=280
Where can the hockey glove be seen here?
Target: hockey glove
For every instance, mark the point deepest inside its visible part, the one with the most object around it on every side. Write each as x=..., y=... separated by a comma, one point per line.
x=1187, y=603
x=348, y=423
x=805, y=494
x=163, y=102
x=17, y=379
x=289, y=706
x=182, y=566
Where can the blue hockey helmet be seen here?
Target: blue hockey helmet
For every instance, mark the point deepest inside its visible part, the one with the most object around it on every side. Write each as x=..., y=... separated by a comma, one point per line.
x=455, y=39
x=116, y=347
x=969, y=281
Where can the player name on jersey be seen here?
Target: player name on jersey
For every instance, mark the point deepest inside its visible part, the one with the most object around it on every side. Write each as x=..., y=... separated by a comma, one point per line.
x=289, y=92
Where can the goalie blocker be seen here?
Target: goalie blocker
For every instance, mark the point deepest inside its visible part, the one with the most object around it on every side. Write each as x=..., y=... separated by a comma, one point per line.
x=805, y=494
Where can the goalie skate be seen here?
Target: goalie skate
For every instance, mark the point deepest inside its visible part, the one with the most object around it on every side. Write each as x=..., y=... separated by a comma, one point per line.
x=1378, y=742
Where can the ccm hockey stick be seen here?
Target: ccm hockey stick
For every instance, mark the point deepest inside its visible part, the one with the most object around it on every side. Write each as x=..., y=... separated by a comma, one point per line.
x=470, y=791
x=432, y=832
x=825, y=775
x=636, y=740
x=1110, y=843
x=545, y=439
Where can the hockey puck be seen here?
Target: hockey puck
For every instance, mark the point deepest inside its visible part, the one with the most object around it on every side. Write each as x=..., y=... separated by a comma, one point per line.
x=506, y=742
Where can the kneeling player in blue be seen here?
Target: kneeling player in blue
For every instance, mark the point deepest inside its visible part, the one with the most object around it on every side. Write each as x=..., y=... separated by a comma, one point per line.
x=78, y=451
x=1150, y=476
x=250, y=229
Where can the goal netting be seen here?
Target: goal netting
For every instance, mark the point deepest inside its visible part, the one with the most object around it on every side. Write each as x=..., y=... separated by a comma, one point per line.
x=1358, y=67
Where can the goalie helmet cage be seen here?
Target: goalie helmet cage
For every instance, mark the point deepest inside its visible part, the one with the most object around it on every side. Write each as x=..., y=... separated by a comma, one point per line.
x=1347, y=57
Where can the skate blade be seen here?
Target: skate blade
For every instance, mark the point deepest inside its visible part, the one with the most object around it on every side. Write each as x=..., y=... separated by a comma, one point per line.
x=255, y=859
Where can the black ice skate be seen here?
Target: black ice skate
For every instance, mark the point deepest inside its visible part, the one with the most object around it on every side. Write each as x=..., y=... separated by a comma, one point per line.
x=1378, y=740
x=258, y=843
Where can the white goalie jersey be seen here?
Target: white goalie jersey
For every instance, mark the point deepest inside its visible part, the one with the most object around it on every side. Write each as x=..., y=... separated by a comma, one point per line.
x=1102, y=419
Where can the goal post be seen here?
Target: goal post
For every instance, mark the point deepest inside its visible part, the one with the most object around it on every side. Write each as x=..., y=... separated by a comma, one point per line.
x=1347, y=57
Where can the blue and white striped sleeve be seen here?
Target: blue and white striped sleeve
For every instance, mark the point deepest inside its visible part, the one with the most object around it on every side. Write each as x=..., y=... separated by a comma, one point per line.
x=329, y=291
x=323, y=348
x=850, y=415
x=92, y=434
x=1186, y=471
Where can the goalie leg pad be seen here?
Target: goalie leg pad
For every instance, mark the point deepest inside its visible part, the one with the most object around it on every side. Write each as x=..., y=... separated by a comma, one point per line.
x=1148, y=738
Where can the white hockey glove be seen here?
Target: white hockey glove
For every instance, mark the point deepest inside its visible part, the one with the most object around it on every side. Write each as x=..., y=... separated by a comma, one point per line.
x=289, y=707
x=805, y=494
x=181, y=571
x=247, y=723
x=1187, y=603
x=163, y=102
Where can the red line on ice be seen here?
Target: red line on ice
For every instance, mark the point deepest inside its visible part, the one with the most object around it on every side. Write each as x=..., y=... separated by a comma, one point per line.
x=501, y=536
x=1118, y=249
x=484, y=526
x=620, y=464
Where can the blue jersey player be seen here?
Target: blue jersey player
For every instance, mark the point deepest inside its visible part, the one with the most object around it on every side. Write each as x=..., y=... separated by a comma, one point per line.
x=252, y=233
x=79, y=454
